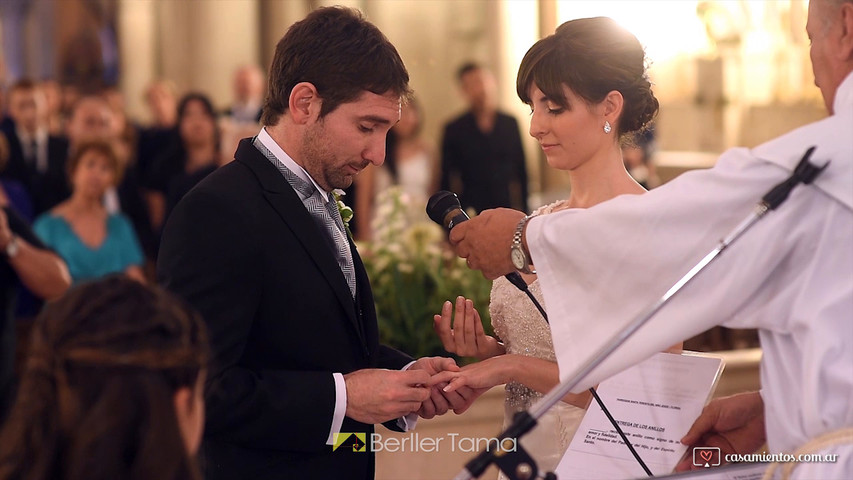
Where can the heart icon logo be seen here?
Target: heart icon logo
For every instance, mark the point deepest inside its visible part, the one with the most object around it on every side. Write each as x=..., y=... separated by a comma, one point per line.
x=706, y=456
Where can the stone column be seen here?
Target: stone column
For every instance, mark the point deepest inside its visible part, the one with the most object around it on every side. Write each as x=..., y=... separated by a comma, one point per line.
x=276, y=17
x=201, y=43
x=136, y=24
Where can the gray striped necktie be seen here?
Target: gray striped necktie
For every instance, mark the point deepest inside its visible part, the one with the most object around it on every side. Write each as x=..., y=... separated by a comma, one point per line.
x=325, y=215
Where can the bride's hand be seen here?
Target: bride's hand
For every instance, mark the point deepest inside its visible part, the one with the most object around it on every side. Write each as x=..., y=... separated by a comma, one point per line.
x=466, y=337
x=481, y=375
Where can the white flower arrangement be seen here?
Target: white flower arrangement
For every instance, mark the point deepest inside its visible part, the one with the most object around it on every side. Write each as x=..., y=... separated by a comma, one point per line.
x=412, y=272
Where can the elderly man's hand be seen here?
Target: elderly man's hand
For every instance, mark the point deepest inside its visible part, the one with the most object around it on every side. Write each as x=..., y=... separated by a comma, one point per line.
x=485, y=241
x=734, y=424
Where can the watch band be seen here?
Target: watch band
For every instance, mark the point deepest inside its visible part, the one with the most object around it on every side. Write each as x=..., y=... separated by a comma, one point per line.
x=517, y=244
x=519, y=230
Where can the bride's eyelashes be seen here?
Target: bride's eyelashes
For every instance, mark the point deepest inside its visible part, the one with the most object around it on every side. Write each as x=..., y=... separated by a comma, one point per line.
x=550, y=110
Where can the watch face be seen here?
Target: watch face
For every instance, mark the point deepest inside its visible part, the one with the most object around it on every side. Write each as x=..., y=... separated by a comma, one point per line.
x=518, y=260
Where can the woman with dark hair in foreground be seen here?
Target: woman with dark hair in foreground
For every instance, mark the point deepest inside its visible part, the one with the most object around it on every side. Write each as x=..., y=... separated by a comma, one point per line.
x=112, y=388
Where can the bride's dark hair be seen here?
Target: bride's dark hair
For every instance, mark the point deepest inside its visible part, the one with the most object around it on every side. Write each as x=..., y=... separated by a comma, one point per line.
x=96, y=398
x=591, y=56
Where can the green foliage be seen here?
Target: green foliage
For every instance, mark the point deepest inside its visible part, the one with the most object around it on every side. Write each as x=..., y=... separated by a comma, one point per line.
x=413, y=272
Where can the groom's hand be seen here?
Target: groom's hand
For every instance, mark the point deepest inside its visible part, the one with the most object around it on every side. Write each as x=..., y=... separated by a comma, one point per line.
x=376, y=395
x=437, y=403
x=440, y=401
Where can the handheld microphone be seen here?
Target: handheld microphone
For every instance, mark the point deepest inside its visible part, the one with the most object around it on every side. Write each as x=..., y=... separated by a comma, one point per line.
x=444, y=209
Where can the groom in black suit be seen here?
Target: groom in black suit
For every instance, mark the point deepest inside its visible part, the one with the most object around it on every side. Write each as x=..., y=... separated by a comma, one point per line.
x=260, y=249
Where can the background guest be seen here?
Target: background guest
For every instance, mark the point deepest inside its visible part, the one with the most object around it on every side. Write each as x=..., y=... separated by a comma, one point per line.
x=248, y=90
x=190, y=160
x=161, y=133
x=13, y=194
x=162, y=103
x=54, y=117
x=93, y=119
x=242, y=119
x=482, y=159
x=90, y=119
x=92, y=241
x=36, y=158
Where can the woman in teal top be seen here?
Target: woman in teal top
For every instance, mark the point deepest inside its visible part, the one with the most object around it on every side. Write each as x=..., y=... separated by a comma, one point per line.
x=92, y=242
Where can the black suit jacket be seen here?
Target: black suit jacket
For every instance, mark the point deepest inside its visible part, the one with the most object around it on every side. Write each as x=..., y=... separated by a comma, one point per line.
x=242, y=248
x=490, y=166
x=46, y=189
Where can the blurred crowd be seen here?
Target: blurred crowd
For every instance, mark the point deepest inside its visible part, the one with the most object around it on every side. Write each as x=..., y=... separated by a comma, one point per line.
x=92, y=180
x=85, y=190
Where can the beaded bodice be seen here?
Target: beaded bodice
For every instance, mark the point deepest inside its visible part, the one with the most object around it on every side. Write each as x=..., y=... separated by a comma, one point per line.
x=519, y=325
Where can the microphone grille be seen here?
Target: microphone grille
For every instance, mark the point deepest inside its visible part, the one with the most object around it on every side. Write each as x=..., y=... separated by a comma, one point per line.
x=440, y=204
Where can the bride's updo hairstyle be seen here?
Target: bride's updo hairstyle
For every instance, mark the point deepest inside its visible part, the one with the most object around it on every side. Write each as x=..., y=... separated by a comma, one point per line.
x=96, y=400
x=592, y=57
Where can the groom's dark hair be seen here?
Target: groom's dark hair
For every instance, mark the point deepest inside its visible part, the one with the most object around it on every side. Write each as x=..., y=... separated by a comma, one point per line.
x=341, y=54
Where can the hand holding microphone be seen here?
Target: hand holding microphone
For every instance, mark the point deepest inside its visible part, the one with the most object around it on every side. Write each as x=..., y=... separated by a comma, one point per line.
x=483, y=241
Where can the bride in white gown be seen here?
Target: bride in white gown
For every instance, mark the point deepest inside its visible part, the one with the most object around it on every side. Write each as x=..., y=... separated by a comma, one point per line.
x=588, y=91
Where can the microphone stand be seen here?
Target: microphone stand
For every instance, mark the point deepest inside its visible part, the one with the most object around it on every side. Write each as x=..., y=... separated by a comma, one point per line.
x=519, y=465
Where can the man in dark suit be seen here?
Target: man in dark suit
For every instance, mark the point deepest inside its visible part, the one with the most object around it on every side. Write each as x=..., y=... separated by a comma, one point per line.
x=481, y=154
x=36, y=159
x=259, y=250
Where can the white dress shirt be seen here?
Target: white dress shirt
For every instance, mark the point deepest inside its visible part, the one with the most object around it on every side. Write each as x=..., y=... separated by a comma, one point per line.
x=39, y=141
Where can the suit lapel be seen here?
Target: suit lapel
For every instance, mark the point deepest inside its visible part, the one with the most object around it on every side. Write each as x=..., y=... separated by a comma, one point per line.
x=292, y=212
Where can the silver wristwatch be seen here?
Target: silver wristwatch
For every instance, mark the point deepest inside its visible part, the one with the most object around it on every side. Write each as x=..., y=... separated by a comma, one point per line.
x=520, y=260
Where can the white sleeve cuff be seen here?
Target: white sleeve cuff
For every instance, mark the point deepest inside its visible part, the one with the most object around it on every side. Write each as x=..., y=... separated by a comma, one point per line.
x=340, y=407
x=410, y=421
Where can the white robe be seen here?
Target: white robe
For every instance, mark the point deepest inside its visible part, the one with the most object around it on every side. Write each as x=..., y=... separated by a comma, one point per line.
x=790, y=276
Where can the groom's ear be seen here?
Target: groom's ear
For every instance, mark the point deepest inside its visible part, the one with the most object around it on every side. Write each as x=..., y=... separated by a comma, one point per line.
x=304, y=103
